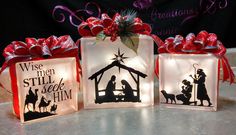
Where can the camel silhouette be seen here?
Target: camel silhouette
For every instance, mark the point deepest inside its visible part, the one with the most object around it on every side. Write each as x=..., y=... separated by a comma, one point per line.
x=44, y=103
x=31, y=98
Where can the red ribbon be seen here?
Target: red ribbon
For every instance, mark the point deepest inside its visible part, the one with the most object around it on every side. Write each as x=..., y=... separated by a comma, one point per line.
x=203, y=43
x=93, y=26
x=32, y=48
x=37, y=49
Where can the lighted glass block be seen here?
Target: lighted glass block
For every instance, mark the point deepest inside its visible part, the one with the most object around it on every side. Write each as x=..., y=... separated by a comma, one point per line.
x=188, y=81
x=116, y=76
x=46, y=88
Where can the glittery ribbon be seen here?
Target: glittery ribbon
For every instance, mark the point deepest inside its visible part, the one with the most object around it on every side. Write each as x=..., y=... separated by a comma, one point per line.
x=32, y=48
x=93, y=26
x=203, y=43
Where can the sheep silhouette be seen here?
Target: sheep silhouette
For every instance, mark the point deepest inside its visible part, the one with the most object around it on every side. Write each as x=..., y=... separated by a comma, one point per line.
x=53, y=108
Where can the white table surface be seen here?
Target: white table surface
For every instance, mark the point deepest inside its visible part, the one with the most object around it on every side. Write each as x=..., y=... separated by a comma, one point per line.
x=132, y=121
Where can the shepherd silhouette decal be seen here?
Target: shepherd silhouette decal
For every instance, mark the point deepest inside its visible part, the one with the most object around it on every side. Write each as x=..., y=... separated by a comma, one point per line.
x=189, y=87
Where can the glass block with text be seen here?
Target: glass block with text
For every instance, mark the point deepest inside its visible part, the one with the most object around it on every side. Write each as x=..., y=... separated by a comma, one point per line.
x=46, y=88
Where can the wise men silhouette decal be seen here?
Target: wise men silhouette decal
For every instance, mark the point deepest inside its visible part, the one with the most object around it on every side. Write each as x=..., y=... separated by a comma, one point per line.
x=38, y=109
x=126, y=93
x=197, y=83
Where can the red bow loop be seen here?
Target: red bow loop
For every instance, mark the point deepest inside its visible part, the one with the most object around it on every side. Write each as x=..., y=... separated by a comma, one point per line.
x=68, y=47
x=178, y=43
x=169, y=45
x=201, y=38
x=20, y=48
x=84, y=30
x=116, y=18
x=219, y=50
x=95, y=25
x=9, y=50
x=140, y=27
x=147, y=28
x=9, y=53
x=52, y=45
x=137, y=26
x=34, y=48
x=189, y=46
x=106, y=20
x=211, y=41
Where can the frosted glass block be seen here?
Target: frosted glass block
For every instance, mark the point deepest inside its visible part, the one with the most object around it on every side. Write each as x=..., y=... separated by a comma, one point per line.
x=188, y=81
x=46, y=88
x=116, y=76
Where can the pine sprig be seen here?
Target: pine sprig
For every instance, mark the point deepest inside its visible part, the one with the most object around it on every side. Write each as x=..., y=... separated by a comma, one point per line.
x=126, y=22
x=125, y=29
x=130, y=14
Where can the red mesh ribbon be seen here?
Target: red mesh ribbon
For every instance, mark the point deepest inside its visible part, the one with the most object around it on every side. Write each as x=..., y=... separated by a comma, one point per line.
x=110, y=26
x=203, y=43
x=37, y=49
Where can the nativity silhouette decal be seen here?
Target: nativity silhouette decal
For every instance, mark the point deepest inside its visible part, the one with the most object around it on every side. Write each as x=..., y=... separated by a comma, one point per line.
x=126, y=93
x=188, y=90
x=42, y=105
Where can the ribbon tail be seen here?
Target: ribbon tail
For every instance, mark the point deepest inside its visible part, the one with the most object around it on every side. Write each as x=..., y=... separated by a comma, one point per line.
x=78, y=42
x=159, y=43
x=157, y=40
x=16, y=108
x=157, y=67
x=1, y=85
x=78, y=68
x=227, y=71
x=78, y=71
x=4, y=66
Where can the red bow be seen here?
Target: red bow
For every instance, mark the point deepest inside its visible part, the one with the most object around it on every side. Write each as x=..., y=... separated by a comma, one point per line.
x=32, y=48
x=203, y=43
x=35, y=49
x=110, y=27
x=92, y=26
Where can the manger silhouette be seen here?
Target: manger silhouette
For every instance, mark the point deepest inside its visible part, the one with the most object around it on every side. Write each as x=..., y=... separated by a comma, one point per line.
x=120, y=97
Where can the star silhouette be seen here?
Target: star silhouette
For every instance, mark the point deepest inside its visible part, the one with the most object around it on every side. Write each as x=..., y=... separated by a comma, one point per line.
x=119, y=57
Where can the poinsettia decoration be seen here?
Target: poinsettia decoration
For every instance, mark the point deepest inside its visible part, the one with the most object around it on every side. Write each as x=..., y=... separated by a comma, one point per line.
x=126, y=25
